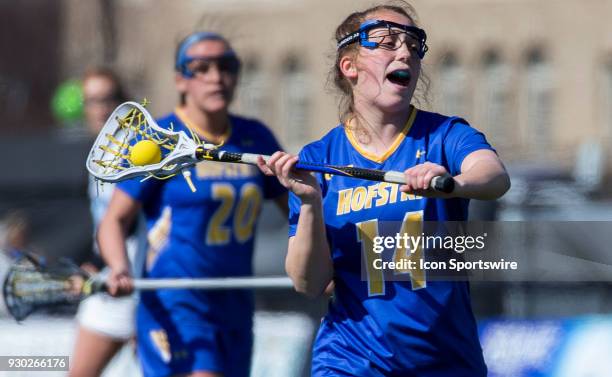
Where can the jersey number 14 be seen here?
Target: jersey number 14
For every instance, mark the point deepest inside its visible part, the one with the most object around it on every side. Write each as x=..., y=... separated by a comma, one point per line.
x=368, y=232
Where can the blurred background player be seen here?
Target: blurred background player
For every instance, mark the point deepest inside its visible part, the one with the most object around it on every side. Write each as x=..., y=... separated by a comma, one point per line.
x=105, y=323
x=378, y=327
x=207, y=233
x=15, y=241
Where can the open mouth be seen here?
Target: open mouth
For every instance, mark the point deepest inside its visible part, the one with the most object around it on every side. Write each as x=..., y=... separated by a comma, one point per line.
x=400, y=77
x=217, y=93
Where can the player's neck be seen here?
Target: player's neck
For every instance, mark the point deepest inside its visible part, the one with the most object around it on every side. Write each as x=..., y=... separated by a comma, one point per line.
x=209, y=125
x=378, y=129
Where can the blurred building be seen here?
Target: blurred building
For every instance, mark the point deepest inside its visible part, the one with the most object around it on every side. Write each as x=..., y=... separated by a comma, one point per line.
x=29, y=63
x=535, y=75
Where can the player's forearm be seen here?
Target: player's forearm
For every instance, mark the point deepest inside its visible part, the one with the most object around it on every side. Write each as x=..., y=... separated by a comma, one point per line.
x=111, y=241
x=308, y=262
x=484, y=180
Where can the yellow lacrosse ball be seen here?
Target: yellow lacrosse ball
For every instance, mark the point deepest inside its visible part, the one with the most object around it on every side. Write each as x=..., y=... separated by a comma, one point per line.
x=145, y=152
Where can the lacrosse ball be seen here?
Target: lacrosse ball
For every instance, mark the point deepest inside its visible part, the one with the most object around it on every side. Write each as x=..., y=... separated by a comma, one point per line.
x=145, y=152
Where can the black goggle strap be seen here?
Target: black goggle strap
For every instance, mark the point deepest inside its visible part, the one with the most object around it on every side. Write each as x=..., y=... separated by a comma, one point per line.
x=362, y=35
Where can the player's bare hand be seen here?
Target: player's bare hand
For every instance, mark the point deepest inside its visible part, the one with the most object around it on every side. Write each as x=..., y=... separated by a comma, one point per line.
x=329, y=290
x=89, y=268
x=418, y=179
x=301, y=183
x=120, y=283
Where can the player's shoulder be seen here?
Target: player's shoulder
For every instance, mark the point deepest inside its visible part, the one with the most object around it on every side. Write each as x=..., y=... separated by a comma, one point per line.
x=432, y=122
x=245, y=125
x=252, y=135
x=319, y=150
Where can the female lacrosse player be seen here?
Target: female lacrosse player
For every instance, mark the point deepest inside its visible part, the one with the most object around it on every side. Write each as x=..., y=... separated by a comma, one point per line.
x=105, y=323
x=378, y=327
x=207, y=233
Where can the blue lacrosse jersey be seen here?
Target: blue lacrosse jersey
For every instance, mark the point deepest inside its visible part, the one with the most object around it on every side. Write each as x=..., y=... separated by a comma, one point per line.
x=378, y=326
x=207, y=233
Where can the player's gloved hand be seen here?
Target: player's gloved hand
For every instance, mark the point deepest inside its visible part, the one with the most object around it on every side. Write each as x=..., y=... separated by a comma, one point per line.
x=418, y=180
x=76, y=283
x=301, y=183
x=120, y=282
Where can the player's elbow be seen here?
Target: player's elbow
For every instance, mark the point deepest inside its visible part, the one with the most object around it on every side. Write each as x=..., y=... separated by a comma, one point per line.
x=308, y=288
x=506, y=184
x=491, y=188
x=310, y=269
x=501, y=185
x=311, y=286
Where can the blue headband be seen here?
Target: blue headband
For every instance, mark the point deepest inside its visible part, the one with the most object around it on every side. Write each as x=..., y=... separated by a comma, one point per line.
x=182, y=59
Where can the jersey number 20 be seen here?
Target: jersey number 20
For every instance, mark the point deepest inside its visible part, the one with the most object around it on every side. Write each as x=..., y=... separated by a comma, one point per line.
x=245, y=213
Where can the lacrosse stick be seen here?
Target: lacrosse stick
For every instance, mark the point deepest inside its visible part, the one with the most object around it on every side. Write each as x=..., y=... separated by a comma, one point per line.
x=29, y=287
x=167, y=152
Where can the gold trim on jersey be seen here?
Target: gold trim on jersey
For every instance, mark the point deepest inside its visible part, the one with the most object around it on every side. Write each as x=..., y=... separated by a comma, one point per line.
x=396, y=143
x=158, y=236
x=208, y=137
x=160, y=341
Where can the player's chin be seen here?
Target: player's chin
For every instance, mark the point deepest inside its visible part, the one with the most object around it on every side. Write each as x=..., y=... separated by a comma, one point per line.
x=402, y=107
x=395, y=101
x=216, y=104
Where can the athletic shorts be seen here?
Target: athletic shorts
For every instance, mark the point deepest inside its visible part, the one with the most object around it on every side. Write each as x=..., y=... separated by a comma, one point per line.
x=108, y=316
x=167, y=347
x=114, y=316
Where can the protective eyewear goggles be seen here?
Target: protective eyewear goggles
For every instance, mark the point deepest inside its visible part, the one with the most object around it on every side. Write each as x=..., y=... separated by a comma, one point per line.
x=191, y=65
x=387, y=35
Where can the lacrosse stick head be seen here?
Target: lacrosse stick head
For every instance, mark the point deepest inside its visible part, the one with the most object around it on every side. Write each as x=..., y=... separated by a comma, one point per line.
x=111, y=159
x=28, y=287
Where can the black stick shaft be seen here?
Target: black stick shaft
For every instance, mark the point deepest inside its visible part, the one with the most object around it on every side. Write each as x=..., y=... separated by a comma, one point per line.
x=444, y=183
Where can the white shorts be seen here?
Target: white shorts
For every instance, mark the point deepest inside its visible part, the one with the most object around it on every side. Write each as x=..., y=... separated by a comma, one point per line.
x=101, y=313
x=110, y=316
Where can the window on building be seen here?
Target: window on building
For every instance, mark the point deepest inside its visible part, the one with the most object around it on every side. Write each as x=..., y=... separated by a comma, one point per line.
x=295, y=103
x=607, y=86
x=539, y=103
x=252, y=91
x=495, y=106
x=452, y=89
